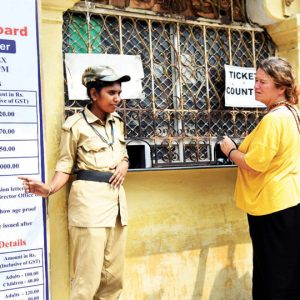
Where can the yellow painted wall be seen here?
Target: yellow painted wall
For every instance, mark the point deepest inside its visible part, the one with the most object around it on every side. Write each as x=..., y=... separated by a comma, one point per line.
x=286, y=35
x=53, y=116
x=186, y=238
x=282, y=21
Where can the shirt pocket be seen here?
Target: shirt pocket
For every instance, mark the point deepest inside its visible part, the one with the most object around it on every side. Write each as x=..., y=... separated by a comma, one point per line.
x=93, y=152
x=120, y=148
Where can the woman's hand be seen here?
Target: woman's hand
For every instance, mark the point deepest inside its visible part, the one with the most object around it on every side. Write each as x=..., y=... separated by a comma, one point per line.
x=119, y=174
x=40, y=188
x=227, y=144
x=35, y=187
x=236, y=156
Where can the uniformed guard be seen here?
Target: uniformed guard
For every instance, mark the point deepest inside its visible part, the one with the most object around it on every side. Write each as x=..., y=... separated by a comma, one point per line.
x=93, y=147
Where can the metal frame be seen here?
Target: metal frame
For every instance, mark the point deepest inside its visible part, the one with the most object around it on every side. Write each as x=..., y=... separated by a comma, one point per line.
x=184, y=65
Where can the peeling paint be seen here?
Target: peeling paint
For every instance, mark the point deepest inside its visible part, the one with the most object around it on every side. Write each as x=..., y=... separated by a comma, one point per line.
x=186, y=244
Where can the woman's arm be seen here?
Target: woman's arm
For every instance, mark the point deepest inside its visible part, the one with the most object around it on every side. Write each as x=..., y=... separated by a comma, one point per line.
x=236, y=156
x=40, y=188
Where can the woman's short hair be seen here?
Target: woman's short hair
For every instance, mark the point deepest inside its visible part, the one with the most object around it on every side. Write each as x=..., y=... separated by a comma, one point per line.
x=280, y=70
x=97, y=85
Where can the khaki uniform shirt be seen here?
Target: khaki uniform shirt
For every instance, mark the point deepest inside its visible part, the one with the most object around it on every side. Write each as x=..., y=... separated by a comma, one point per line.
x=93, y=204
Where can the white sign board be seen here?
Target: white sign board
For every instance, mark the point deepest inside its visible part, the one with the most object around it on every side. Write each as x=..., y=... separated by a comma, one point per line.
x=130, y=65
x=23, y=249
x=239, y=87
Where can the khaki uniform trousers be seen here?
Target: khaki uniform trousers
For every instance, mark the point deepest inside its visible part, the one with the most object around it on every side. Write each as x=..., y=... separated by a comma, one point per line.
x=97, y=261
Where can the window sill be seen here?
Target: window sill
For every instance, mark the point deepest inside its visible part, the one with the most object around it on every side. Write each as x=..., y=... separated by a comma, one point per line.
x=182, y=168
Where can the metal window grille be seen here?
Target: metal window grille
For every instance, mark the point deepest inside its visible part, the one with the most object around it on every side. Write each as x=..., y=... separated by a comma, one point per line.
x=182, y=114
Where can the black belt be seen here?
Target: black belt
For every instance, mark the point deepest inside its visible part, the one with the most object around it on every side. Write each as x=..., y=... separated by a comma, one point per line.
x=92, y=175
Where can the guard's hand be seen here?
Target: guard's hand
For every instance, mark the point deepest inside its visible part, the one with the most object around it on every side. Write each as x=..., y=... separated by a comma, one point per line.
x=227, y=144
x=118, y=177
x=35, y=186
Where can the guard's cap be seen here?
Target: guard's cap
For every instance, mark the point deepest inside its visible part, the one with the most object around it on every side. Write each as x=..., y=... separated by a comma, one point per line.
x=103, y=73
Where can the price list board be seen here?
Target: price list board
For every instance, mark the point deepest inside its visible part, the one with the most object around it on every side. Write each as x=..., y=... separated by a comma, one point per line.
x=23, y=245
x=19, y=133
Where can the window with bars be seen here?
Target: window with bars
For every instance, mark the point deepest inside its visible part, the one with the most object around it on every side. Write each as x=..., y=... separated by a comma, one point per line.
x=182, y=114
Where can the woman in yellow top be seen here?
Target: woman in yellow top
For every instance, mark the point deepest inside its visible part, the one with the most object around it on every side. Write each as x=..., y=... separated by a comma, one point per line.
x=93, y=146
x=268, y=183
